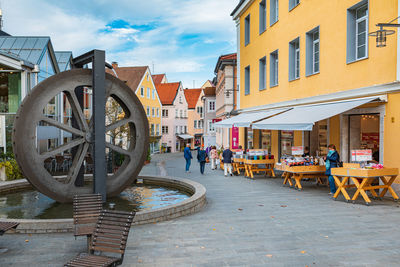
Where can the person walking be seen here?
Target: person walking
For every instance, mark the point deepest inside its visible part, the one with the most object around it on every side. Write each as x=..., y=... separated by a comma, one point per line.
x=227, y=158
x=187, y=154
x=213, y=156
x=331, y=161
x=201, y=157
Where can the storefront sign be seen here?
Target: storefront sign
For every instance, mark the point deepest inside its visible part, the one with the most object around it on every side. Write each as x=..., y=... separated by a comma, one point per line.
x=235, y=138
x=297, y=150
x=361, y=155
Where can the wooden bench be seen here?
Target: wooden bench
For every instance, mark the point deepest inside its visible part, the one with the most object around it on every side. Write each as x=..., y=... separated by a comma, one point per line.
x=110, y=236
x=5, y=226
x=87, y=209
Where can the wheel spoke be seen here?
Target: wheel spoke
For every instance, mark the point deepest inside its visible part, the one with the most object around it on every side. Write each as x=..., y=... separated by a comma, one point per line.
x=62, y=126
x=77, y=164
x=76, y=108
x=62, y=148
x=118, y=149
x=117, y=124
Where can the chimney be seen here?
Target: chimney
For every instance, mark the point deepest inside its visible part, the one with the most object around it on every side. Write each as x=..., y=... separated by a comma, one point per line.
x=114, y=64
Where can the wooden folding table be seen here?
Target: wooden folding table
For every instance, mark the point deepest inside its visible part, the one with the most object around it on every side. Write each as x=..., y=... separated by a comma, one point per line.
x=252, y=166
x=238, y=165
x=298, y=173
x=362, y=179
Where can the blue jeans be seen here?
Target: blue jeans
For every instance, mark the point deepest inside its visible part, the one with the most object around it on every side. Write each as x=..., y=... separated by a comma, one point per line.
x=332, y=184
x=202, y=165
x=188, y=164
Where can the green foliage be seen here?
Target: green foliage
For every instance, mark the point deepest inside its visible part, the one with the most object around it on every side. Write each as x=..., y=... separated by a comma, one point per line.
x=148, y=155
x=13, y=171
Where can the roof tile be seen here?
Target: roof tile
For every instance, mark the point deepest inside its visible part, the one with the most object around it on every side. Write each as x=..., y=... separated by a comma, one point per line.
x=192, y=95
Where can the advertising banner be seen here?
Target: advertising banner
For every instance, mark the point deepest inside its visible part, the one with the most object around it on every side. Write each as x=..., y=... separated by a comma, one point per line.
x=235, y=138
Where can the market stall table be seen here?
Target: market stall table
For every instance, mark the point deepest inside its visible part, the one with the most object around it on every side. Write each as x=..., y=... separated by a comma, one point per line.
x=362, y=179
x=238, y=165
x=298, y=173
x=252, y=166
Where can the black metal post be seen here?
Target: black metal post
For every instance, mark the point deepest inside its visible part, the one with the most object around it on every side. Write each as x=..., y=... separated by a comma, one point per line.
x=99, y=124
x=97, y=58
x=80, y=180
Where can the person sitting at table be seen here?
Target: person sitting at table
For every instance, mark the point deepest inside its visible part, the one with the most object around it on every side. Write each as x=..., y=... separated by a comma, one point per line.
x=331, y=161
x=306, y=152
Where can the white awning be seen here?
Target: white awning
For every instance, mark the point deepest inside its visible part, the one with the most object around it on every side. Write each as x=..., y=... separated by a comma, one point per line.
x=185, y=136
x=246, y=119
x=303, y=118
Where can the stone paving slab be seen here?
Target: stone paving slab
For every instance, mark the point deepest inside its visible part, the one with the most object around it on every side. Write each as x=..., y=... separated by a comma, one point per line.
x=245, y=223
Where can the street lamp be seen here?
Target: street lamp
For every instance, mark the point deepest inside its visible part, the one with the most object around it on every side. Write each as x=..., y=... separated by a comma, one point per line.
x=382, y=33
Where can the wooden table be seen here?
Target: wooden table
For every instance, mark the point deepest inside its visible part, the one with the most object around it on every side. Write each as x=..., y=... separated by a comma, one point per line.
x=362, y=179
x=298, y=173
x=252, y=166
x=238, y=165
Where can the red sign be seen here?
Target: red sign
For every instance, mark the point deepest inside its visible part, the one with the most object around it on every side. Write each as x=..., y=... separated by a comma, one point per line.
x=235, y=138
x=216, y=120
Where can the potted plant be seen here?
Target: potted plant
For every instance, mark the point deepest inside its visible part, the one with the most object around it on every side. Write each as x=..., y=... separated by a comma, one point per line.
x=148, y=159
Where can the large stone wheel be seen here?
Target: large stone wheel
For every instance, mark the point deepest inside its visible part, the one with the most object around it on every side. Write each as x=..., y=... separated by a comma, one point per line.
x=31, y=114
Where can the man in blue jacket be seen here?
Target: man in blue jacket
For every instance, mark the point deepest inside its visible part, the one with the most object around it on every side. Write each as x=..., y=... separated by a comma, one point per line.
x=227, y=159
x=187, y=154
x=201, y=157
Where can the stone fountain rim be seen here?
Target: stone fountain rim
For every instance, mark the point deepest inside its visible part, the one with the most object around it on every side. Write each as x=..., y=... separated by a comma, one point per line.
x=188, y=206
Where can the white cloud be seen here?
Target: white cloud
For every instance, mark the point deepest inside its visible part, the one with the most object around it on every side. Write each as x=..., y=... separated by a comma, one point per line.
x=81, y=26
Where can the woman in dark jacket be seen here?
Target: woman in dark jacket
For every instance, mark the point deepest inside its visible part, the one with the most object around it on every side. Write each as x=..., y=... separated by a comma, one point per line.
x=332, y=160
x=201, y=157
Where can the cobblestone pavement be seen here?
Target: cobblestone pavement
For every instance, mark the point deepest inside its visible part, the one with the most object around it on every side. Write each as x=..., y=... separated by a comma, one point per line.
x=245, y=223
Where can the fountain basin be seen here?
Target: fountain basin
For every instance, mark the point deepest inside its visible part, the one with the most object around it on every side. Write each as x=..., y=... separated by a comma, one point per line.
x=191, y=205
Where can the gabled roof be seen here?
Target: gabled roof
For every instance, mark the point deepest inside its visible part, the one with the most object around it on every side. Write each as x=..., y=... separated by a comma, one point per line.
x=63, y=58
x=209, y=91
x=17, y=58
x=131, y=75
x=27, y=48
x=167, y=92
x=157, y=78
x=228, y=59
x=192, y=95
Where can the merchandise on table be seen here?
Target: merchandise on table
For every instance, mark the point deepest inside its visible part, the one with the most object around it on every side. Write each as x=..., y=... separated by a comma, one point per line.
x=292, y=161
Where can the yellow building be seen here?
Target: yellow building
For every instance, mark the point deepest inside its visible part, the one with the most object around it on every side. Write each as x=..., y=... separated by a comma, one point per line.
x=309, y=75
x=140, y=80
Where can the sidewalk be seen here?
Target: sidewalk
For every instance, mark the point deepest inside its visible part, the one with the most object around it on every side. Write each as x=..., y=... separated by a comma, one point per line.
x=245, y=223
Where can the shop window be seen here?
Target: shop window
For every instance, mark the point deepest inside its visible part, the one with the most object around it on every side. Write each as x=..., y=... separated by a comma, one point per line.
x=247, y=30
x=247, y=80
x=263, y=16
x=10, y=91
x=294, y=59
x=263, y=73
x=274, y=11
x=312, y=51
x=265, y=140
x=286, y=140
x=364, y=133
x=274, y=62
x=293, y=4
x=357, y=32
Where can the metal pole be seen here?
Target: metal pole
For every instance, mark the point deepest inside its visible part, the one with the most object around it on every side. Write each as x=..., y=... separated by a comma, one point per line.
x=99, y=121
x=80, y=180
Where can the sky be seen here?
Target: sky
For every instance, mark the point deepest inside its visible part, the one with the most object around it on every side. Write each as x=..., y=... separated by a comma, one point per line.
x=182, y=38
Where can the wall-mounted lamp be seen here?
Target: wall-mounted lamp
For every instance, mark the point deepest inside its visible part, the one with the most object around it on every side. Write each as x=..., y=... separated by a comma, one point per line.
x=382, y=33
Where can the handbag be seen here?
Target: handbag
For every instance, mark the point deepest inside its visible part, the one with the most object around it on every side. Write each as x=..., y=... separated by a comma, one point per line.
x=339, y=164
x=207, y=160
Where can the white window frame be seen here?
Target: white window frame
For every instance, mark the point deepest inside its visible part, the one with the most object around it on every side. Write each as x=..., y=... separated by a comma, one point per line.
x=297, y=60
x=154, y=94
x=148, y=111
x=211, y=128
x=211, y=103
x=148, y=93
x=314, y=42
x=359, y=20
x=195, y=124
